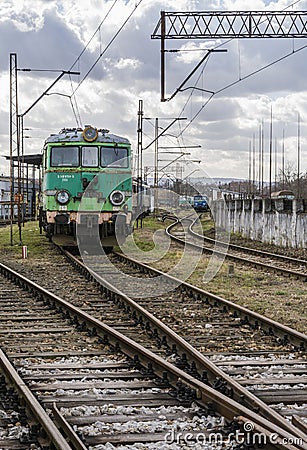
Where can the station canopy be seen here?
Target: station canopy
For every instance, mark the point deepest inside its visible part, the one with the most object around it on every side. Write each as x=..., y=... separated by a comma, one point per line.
x=35, y=159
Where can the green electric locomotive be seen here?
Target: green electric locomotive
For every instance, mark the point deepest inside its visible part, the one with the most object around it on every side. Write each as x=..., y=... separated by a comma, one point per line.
x=86, y=186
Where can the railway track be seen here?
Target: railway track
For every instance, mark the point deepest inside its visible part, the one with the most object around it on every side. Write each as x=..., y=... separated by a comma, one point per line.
x=187, y=389
x=277, y=263
x=85, y=373
x=72, y=369
x=223, y=331
x=255, y=322
x=275, y=350
x=16, y=430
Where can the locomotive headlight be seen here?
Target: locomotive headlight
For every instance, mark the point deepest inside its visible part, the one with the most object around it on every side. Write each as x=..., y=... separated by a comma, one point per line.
x=62, y=197
x=90, y=134
x=117, y=198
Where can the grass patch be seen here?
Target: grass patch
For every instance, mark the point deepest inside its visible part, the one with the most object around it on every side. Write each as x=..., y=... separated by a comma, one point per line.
x=152, y=223
x=143, y=237
x=37, y=243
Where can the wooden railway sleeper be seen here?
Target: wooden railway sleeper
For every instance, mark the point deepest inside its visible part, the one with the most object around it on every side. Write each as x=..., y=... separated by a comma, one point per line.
x=19, y=393
x=114, y=335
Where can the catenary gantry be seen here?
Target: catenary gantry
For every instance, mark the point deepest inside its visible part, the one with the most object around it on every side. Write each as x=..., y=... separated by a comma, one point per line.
x=231, y=24
x=228, y=25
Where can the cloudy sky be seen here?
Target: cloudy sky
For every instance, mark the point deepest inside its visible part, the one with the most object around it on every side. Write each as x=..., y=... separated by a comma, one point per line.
x=109, y=43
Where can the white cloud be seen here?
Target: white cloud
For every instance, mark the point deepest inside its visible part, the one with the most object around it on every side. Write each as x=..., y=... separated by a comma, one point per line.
x=127, y=63
x=51, y=34
x=26, y=16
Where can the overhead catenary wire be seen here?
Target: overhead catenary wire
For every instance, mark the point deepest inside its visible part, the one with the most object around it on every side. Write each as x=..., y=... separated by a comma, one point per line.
x=240, y=78
x=228, y=86
x=94, y=34
x=108, y=45
x=73, y=99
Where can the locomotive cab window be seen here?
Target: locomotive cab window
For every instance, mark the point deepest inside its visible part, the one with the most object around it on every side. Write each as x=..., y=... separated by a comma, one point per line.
x=64, y=156
x=114, y=157
x=89, y=156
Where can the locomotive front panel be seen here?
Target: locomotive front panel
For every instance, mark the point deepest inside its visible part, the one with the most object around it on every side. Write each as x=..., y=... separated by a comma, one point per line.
x=81, y=178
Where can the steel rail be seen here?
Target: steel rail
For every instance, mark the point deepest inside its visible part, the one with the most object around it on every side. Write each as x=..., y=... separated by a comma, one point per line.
x=34, y=406
x=201, y=362
x=64, y=425
x=298, y=339
x=293, y=273
x=249, y=249
x=282, y=331
x=204, y=394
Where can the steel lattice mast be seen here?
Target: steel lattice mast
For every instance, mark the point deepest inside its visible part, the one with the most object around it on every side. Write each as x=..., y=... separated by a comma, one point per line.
x=14, y=139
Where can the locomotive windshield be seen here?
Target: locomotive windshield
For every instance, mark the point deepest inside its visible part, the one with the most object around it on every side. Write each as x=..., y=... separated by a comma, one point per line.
x=64, y=156
x=199, y=197
x=114, y=157
x=89, y=156
x=69, y=156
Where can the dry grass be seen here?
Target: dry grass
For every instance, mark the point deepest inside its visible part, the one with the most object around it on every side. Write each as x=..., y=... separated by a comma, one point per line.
x=275, y=296
x=282, y=299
